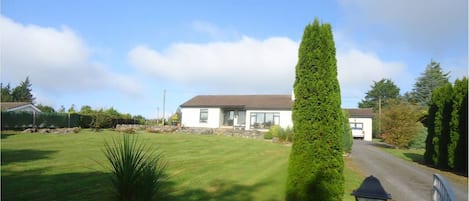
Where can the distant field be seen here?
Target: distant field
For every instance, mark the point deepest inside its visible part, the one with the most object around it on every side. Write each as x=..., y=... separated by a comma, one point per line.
x=200, y=167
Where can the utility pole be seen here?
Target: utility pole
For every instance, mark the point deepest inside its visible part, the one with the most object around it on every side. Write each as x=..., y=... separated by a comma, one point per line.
x=164, y=104
x=379, y=116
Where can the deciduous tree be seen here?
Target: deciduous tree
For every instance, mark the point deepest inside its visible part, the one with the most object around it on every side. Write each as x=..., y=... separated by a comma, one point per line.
x=384, y=89
x=45, y=108
x=400, y=122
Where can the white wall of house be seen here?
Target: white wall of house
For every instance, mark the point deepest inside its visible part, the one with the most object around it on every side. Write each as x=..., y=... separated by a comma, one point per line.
x=367, y=126
x=285, y=118
x=191, y=117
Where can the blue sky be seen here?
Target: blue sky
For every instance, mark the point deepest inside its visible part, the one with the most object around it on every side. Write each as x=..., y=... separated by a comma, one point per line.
x=124, y=55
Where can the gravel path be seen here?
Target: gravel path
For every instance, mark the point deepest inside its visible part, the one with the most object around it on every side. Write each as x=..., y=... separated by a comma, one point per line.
x=404, y=180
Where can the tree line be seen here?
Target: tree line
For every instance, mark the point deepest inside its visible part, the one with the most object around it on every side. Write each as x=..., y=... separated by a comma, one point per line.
x=20, y=93
x=433, y=115
x=89, y=117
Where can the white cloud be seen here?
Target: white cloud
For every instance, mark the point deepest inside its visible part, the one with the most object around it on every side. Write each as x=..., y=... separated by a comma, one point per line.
x=255, y=66
x=54, y=59
x=247, y=65
x=358, y=69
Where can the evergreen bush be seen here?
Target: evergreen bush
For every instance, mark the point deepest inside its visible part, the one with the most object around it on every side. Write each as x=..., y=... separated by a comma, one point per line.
x=347, y=138
x=419, y=141
x=315, y=169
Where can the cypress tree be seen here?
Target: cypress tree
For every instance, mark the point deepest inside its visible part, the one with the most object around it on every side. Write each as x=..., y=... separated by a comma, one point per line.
x=315, y=170
x=430, y=124
x=443, y=100
x=457, y=148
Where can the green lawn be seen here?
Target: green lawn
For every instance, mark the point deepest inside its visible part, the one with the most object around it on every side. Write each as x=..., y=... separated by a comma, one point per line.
x=200, y=167
x=414, y=155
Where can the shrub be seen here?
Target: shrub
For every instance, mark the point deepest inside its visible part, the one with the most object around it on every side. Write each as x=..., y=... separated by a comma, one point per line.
x=268, y=136
x=276, y=131
x=137, y=171
x=289, y=134
x=347, y=138
x=284, y=135
x=400, y=123
x=419, y=141
x=100, y=120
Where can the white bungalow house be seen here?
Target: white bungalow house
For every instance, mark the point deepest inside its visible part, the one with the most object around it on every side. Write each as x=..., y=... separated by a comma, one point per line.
x=255, y=112
x=238, y=111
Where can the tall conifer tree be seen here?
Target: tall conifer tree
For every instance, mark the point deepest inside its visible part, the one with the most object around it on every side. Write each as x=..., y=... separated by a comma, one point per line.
x=442, y=98
x=315, y=170
x=457, y=148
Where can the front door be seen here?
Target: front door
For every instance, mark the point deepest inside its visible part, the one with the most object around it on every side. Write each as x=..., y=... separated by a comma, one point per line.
x=228, y=118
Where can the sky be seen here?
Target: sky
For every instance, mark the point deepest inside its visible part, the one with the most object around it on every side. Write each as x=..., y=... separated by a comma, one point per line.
x=132, y=55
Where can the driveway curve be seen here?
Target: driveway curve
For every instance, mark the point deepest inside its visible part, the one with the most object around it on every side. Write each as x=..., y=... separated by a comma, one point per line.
x=404, y=180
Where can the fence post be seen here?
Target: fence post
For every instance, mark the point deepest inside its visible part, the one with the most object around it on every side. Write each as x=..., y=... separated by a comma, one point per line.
x=34, y=119
x=441, y=189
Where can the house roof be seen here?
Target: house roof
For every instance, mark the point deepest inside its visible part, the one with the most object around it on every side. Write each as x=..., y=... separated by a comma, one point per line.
x=279, y=102
x=12, y=106
x=360, y=112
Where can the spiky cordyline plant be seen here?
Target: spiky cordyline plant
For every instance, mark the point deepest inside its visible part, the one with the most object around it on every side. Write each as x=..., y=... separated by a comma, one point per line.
x=137, y=171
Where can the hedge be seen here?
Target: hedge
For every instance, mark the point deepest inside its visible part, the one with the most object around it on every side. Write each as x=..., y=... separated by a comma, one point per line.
x=22, y=120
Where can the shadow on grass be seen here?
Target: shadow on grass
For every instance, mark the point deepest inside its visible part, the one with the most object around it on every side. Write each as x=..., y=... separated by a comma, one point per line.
x=23, y=155
x=382, y=145
x=6, y=135
x=418, y=158
x=221, y=190
x=36, y=185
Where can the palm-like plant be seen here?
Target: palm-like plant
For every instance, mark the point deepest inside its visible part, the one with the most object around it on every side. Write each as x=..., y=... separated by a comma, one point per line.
x=137, y=171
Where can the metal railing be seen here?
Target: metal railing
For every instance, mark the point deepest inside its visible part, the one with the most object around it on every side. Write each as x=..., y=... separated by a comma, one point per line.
x=441, y=189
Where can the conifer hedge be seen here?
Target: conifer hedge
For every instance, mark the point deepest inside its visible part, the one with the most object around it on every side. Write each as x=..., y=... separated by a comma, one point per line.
x=457, y=148
x=446, y=143
x=22, y=120
x=315, y=170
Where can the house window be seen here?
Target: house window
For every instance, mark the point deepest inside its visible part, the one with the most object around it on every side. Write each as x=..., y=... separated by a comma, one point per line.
x=203, y=116
x=241, y=117
x=356, y=126
x=264, y=119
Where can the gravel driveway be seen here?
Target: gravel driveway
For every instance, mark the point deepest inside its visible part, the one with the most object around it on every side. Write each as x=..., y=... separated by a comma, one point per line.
x=404, y=180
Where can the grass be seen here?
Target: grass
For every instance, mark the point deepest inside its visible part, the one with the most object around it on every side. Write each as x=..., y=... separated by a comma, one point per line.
x=413, y=155
x=200, y=167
